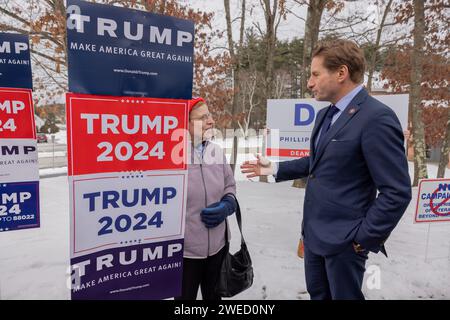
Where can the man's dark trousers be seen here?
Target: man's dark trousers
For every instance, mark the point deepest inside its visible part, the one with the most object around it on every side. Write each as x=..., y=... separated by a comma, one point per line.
x=337, y=277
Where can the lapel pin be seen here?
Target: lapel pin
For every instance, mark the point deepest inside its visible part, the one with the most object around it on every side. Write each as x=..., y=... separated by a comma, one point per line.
x=352, y=111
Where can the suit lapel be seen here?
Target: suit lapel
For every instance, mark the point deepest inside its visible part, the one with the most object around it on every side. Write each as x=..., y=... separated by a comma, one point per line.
x=349, y=112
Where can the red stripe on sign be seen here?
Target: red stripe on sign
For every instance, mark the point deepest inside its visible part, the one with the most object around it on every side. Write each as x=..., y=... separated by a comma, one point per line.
x=16, y=114
x=113, y=134
x=293, y=153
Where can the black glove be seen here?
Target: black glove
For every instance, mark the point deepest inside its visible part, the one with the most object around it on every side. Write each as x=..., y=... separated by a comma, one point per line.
x=214, y=214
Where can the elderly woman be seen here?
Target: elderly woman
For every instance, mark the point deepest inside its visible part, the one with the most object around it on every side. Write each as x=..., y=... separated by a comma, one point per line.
x=210, y=199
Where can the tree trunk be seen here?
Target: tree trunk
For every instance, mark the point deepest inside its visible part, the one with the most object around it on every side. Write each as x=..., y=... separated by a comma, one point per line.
x=445, y=148
x=235, y=63
x=312, y=25
x=420, y=167
x=270, y=42
x=374, y=57
x=270, y=49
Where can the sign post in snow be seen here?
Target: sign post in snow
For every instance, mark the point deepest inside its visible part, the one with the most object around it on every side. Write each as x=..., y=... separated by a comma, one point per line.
x=129, y=72
x=19, y=171
x=433, y=203
x=127, y=176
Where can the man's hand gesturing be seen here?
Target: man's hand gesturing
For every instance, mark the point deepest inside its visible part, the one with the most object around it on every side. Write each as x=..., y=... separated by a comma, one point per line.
x=260, y=167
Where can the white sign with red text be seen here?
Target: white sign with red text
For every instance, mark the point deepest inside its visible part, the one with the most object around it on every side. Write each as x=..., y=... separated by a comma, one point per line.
x=128, y=179
x=291, y=122
x=433, y=203
x=112, y=134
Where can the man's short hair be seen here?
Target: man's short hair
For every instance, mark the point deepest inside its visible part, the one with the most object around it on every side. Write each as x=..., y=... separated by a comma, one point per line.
x=339, y=52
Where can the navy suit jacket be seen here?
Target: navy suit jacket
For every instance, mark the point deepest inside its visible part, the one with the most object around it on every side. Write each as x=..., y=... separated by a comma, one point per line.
x=361, y=153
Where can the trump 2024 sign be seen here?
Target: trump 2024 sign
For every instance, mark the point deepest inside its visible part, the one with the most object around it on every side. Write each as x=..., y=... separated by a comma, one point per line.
x=111, y=134
x=123, y=52
x=127, y=182
x=19, y=171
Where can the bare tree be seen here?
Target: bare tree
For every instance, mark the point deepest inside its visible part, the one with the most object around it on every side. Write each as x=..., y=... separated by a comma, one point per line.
x=282, y=78
x=312, y=25
x=274, y=12
x=249, y=83
x=44, y=22
x=272, y=19
x=445, y=150
x=415, y=109
x=376, y=47
x=235, y=64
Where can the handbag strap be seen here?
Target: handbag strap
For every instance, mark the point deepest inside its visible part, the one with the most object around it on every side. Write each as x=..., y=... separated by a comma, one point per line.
x=239, y=221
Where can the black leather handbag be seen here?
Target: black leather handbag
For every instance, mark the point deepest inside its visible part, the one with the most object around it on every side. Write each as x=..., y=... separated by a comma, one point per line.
x=236, y=273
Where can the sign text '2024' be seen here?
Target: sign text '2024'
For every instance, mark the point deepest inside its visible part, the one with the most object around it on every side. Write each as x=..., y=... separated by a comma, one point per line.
x=110, y=199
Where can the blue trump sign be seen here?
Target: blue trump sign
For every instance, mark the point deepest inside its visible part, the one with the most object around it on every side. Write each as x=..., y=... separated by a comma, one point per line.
x=15, y=66
x=123, y=52
x=19, y=205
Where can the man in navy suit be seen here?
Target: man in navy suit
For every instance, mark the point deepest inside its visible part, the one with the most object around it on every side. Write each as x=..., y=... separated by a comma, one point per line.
x=356, y=150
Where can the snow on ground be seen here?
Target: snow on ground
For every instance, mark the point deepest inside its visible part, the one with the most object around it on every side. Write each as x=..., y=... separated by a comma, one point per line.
x=51, y=154
x=272, y=216
x=61, y=137
x=33, y=262
x=52, y=172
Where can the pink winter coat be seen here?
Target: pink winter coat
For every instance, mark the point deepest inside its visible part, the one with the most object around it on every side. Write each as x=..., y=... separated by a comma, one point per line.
x=209, y=179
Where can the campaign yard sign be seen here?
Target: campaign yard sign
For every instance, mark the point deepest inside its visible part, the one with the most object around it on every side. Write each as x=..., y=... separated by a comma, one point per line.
x=19, y=170
x=127, y=236
x=291, y=122
x=127, y=133
x=15, y=66
x=433, y=203
x=127, y=176
x=123, y=52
